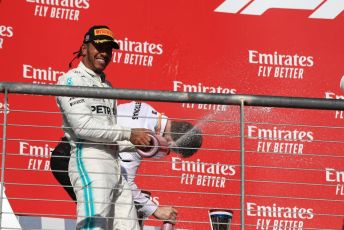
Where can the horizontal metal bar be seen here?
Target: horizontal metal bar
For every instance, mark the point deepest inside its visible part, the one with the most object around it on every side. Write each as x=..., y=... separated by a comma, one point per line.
x=169, y=96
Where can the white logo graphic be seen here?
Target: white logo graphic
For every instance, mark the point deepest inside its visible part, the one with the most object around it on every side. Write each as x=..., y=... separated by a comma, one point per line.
x=324, y=9
x=41, y=75
x=203, y=174
x=4, y=107
x=280, y=66
x=337, y=177
x=179, y=86
x=279, y=140
x=339, y=114
x=279, y=217
x=39, y=155
x=5, y=31
x=137, y=53
x=65, y=10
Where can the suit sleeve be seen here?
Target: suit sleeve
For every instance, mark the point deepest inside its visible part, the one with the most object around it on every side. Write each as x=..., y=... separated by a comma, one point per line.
x=145, y=206
x=126, y=146
x=84, y=124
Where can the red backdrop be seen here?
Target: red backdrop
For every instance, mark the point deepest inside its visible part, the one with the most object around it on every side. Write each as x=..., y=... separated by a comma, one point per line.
x=264, y=47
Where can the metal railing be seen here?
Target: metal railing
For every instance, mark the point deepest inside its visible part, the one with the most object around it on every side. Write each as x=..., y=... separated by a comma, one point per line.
x=179, y=97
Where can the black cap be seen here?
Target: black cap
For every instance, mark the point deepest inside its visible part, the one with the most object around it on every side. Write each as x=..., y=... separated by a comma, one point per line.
x=100, y=34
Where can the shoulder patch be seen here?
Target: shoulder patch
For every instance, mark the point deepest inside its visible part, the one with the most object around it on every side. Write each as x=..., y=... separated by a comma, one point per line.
x=136, y=112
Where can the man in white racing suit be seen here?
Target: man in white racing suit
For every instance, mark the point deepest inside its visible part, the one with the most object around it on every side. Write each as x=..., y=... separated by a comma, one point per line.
x=104, y=200
x=185, y=139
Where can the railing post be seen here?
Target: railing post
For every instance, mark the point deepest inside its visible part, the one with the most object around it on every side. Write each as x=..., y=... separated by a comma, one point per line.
x=2, y=188
x=242, y=164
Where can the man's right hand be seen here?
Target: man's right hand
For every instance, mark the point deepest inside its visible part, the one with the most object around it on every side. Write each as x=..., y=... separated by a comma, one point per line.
x=166, y=213
x=140, y=137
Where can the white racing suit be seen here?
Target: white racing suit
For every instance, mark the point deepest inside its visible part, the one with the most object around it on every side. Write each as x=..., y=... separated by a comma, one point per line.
x=139, y=115
x=104, y=200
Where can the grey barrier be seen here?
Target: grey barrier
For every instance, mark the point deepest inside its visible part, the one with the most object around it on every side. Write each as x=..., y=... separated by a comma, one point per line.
x=167, y=96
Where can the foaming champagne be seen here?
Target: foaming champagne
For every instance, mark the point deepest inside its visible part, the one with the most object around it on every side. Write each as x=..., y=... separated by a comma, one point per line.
x=220, y=219
x=140, y=215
